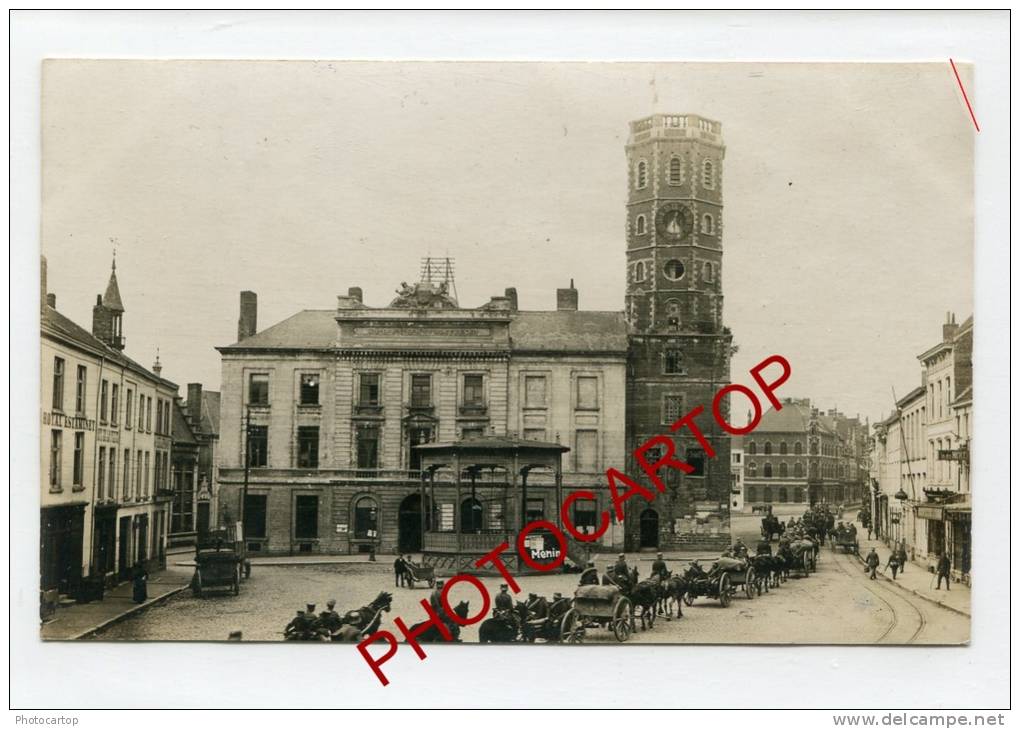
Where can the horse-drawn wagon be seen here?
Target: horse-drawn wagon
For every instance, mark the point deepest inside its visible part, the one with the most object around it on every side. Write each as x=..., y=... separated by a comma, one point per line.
x=741, y=573
x=845, y=541
x=602, y=606
x=219, y=560
x=420, y=573
x=715, y=584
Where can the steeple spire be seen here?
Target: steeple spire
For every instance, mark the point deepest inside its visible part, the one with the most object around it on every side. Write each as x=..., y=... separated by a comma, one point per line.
x=111, y=299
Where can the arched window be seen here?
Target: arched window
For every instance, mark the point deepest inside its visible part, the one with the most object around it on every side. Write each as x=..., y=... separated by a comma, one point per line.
x=642, y=174
x=768, y=495
x=752, y=469
x=783, y=472
x=366, y=518
x=767, y=471
x=675, y=171
x=798, y=495
x=708, y=225
x=709, y=271
x=708, y=175
x=798, y=448
x=782, y=447
x=782, y=494
x=768, y=448
x=798, y=470
x=814, y=469
x=471, y=516
x=639, y=271
x=639, y=225
x=752, y=493
x=752, y=448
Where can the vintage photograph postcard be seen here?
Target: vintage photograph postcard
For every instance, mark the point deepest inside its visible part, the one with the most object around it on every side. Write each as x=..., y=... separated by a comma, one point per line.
x=570, y=353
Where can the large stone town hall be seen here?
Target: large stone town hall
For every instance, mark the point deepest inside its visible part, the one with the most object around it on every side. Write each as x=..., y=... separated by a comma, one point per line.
x=334, y=401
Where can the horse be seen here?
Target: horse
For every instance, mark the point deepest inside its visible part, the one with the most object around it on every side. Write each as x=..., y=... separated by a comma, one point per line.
x=432, y=634
x=504, y=626
x=673, y=589
x=359, y=619
x=348, y=633
x=646, y=595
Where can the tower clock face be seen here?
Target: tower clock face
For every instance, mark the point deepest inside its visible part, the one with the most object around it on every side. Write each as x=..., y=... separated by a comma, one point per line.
x=675, y=221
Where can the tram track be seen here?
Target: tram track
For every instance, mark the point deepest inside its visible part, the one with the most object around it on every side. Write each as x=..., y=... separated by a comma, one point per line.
x=922, y=620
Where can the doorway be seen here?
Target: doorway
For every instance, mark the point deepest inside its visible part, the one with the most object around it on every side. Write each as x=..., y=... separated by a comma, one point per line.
x=409, y=524
x=470, y=516
x=649, y=529
x=124, y=548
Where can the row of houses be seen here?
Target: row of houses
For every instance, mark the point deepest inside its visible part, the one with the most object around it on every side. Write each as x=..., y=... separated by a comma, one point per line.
x=920, y=472
x=126, y=466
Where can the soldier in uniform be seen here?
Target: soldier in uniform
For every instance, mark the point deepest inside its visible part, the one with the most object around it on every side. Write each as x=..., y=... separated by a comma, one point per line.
x=436, y=598
x=590, y=576
x=398, y=570
x=329, y=619
x=503, y=602
x=659, y=567
x=297, y=626
x=740, y=549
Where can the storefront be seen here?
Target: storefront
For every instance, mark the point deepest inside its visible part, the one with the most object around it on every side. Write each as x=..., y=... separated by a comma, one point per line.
x=958, y=520
x=104, y=558
x=62, y=530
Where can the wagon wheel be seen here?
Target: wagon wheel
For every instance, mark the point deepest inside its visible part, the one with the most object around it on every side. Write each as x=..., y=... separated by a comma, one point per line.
x=237, y=580
x=749, y=583
x=724, y=590
x=622, y=618
x=432, y=582
x=688, y=598
x=571, y=627
x=196, y=583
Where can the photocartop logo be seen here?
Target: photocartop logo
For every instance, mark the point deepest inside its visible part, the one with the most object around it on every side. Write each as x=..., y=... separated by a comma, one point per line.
x=531, y=542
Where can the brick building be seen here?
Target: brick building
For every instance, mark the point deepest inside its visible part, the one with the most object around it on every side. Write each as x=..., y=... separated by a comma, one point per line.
x=334, y=400
x=801, y=455
x=679, y=349
x=105, y=449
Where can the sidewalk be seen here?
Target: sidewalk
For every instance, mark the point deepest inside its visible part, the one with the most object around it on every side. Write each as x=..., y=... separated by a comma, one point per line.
x=917, y=579
x=77, y=621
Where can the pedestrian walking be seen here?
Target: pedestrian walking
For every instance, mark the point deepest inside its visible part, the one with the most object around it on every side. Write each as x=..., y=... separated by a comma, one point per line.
x=399, y=570
x=872, y=561
x=893, y=564
x=140, y=584
x=901, y=554
x=942, y=570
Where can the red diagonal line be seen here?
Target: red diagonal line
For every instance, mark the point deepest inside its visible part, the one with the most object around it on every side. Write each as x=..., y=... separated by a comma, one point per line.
x=964, y=92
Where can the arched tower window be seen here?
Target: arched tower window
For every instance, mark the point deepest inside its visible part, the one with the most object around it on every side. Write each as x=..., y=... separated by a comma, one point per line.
x=675, y=171
x=708, y=175
x=709, y=272
x=639, y=271
x=642, y=174
x=639, y=225
x=708, y=225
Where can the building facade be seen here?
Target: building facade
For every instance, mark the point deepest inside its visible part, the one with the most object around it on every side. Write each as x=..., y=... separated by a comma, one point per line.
x=679, y=349
x=329, y=404
x=736, y=474
x=800, y=455
x=196, y=436
x=105, y=449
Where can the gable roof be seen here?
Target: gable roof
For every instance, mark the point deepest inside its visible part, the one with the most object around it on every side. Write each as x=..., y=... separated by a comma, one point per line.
x=60, y=327
x=793, y=418
x=211, y=412
x=181, y=432
x=308, y=329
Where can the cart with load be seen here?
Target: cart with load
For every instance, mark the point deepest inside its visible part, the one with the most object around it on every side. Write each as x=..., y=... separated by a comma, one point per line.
x=597, y=606
x=845, y=541
x=715, y=584
x=803, y=551
x=219, y=562
x=420, y=573
x=741, y=573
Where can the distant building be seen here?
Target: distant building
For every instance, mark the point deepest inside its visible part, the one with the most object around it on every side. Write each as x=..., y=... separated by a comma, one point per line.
x=105, y=449
x=334, y=402
x=737, y=474
x=801, y=455
x=196, y=424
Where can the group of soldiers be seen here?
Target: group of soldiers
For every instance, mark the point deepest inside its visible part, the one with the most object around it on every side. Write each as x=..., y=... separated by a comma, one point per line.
x=307, y=625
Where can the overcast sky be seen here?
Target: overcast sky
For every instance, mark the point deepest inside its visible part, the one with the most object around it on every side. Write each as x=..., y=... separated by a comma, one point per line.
x=848, y=193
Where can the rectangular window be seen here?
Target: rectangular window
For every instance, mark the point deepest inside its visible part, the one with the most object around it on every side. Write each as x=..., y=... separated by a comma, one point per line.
x=141, y=412
x=58, y=383
x=472, y=432
x=534, y=434
x=587, y=393
x=535, y=510
x=159, y=415
x=101, y=472
x=421, y=391
x=114, y=404
x=586, y=451
x=79, y=391
x=534, y=391
x=139, y=462
x=258, y=389
x=129, y=411
x=446, y=523
x=111, y=487
x=310, y=389
x=672, y=362
x=368, y=447
x=254, y=524
x=585, y=516
x=672, y=408
x=258, y=446
x=78, y=473
x=126, y=481
x=368, y=389
x=56, y=456
x=148, y=415
x=473, y=396
x=104, y=387
x=495, y=516
x=306, y=517
x=696, y=458
x=308, y=446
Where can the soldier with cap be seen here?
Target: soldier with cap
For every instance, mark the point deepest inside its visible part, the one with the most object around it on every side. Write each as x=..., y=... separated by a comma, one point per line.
x=590, y=576
x=503, y=602
x=298, y=626
x=740, y=549
x=436, y=598
x=659, y=567
x=330, y=618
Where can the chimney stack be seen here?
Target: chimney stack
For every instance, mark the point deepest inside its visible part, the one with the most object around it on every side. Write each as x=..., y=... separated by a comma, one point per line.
x=355, y=293
x=566, y=299
x=194, y=403
x=246, y=325
x=51, y=301
x=511, y=295
x=950, y=327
